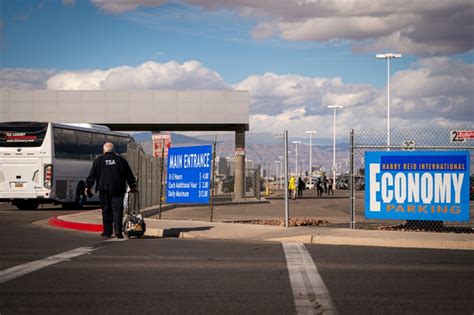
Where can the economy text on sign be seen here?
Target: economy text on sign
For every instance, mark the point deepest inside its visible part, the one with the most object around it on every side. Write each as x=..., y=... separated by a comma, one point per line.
x=189, y=174
x=429, y=185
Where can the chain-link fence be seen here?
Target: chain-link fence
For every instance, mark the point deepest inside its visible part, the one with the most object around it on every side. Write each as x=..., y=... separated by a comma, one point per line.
x=419, y=140
x=248, y=179
x=148, y=171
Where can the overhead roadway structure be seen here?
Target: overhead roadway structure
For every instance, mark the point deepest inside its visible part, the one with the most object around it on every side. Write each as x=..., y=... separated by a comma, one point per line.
x=138, y=110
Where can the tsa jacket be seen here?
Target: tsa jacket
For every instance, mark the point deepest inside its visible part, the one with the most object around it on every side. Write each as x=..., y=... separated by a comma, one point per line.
x=111, y=173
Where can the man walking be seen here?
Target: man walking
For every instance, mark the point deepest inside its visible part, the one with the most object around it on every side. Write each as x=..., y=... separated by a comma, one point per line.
x=111, y=173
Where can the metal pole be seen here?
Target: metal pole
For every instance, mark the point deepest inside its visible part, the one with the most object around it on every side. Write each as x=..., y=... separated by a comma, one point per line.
x=310, y=157
x=334, y=152
x=388, y=104
x=310, y=132
x=213, y=184
x=296, y=160
x=287, y=203
x=162, y=167
x=352, y=188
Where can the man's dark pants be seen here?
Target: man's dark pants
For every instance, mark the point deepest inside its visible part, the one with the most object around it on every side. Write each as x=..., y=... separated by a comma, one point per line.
x=112, y=211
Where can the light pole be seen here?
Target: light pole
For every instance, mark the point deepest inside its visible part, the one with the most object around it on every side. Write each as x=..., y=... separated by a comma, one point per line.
x=310, y=132
x=388, y=56
x=296, y=156
x=334, y=146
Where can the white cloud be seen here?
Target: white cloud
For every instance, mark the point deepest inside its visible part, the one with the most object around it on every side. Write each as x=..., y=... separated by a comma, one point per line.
x=149, y=75
x=431, y=28
x=24, y=78
x=435, y=92
x=120, y=6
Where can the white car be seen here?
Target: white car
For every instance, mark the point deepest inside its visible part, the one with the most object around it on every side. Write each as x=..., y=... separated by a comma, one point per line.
x=309, y=185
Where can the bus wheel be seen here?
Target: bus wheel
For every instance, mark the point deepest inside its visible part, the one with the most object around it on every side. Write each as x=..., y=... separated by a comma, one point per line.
x=26, y=204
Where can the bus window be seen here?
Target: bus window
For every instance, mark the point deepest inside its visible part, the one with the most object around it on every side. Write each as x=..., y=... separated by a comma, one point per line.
x=98, y=141
x=22, y=134
x=84, y=145
x=65, y=143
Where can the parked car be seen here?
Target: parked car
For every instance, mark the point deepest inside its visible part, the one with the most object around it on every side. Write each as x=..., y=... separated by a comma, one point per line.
x=342, y=184
x=309, y=185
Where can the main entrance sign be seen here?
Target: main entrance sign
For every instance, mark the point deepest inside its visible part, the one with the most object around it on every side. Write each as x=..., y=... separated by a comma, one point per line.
x=429, y=185
x=189, y=174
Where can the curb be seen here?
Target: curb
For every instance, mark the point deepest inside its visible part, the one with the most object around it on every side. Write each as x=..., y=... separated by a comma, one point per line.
x=86, y=227
x=364, y=241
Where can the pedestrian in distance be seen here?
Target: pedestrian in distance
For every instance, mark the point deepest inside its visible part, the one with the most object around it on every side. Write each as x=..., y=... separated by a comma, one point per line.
x=292, y=187
x=319, y=187
x=111, y=173
x=325, y=184
x=330, y=190
x=300, y=187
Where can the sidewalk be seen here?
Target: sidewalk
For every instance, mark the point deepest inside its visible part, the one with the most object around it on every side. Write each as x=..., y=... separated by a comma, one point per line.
x=91, y=221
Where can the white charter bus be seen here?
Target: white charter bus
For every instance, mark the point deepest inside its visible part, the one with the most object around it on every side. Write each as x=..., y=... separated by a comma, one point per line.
x=43, y=162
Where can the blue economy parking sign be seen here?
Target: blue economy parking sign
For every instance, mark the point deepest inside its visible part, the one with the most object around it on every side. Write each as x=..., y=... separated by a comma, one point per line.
x=189, y=174
x=423, y=185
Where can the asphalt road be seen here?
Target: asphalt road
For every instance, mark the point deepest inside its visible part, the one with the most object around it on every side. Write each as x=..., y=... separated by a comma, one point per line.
x=176, y=276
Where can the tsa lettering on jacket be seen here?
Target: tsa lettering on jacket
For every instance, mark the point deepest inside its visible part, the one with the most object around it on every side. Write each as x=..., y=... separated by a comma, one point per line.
x=417, y=185
x=109, y=162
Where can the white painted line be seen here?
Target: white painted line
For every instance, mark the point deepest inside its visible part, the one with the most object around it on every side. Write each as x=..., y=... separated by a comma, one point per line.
x=309, y=291
x=20, y=270
x=116, y=239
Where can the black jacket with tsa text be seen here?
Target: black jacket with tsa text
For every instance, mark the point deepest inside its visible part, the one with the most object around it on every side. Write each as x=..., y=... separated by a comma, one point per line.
x=111, y=173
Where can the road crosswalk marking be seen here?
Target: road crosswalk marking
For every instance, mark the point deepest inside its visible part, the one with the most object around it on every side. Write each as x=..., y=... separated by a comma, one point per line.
x=309, y=291
x=20, y=270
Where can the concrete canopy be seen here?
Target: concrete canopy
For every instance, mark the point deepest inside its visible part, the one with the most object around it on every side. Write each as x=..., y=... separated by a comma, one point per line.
x=132, y=110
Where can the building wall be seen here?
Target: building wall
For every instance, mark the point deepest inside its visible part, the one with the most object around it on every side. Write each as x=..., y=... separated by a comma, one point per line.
x=126, y=107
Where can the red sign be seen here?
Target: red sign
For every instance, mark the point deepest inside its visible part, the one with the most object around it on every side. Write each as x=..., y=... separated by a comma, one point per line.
x=461, y=135
x=19, y=137
x=466, y=134
x=158, y=140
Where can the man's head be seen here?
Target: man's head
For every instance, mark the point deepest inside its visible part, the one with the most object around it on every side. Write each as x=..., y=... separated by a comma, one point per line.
x=108, y=147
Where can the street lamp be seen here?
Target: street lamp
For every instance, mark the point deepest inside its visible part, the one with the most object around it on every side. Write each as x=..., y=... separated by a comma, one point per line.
x=388, y=56
x=296, y=156
x=334, y=146
x=310, y=132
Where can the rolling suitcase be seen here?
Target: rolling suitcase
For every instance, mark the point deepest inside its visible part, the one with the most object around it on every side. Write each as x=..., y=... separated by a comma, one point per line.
x=134, y=225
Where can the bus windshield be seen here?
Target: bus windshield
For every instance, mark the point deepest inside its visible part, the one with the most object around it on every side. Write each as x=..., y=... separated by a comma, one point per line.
x=22, y=134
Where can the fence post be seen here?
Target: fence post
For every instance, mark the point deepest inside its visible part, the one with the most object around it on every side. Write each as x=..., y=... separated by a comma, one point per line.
x=139, y=178
x=352, y=188
x=213, y=180
x=287, y=203
x=162, y=166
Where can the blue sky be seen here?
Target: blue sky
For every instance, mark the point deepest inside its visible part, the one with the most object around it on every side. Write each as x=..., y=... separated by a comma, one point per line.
x=48, y=34
x=294, y=57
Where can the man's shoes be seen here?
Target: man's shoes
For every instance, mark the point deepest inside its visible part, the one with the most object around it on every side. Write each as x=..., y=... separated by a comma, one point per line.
x=119, y=235
x=105, y=235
